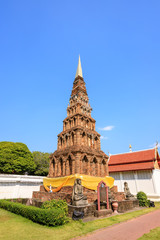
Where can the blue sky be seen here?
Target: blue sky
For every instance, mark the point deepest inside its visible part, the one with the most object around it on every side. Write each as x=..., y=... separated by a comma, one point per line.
x=119, y=45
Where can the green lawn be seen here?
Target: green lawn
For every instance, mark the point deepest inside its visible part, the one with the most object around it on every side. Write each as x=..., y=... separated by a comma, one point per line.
x=153, y=234
x=14, y=227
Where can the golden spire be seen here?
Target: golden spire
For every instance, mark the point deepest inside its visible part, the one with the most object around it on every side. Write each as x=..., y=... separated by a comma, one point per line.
x=79, y=69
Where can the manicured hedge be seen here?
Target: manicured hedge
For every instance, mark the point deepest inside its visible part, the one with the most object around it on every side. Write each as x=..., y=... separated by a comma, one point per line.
x=47, y=217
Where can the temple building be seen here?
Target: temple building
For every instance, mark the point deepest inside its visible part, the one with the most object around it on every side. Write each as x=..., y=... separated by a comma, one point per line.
x=78, y=148
x=140, y=169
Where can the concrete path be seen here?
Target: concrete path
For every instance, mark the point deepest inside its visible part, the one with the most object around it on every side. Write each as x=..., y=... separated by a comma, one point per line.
x=130, y=230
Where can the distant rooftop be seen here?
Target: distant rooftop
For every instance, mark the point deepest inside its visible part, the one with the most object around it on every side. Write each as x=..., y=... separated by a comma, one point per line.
x=139, y=160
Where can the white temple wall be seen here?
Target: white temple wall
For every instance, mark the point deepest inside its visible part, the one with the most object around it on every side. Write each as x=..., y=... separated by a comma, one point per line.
x=18, y=186
x=156, y=180
x=147, y=181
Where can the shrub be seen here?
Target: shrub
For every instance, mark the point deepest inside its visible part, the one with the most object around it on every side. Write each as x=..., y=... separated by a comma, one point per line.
x=42, y=163
x=56, y=204
x=47, y=217
x=142, y=197
x=15, y=158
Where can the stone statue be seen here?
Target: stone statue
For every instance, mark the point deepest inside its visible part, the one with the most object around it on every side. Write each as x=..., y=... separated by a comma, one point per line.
x=110, y=195
x=127, y=192
x=78, y=199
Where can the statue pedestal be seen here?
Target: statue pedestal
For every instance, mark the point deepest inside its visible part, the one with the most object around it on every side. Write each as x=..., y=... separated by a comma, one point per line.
x=87, y=210
x=103, y=212
x=80, y=203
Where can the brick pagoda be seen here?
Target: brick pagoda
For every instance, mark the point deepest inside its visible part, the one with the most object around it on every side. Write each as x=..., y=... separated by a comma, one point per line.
x=78, y=148
x=78, y=152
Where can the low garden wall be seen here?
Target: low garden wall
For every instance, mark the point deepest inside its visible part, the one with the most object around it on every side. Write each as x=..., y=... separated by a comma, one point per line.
x=18, y=186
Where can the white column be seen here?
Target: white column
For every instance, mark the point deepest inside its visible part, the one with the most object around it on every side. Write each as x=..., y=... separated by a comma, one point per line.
x=136, y=181
x=154, y=182
x=121, y=181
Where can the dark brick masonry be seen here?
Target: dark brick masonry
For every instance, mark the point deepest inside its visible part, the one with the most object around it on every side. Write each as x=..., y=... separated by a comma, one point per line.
x=78, y=147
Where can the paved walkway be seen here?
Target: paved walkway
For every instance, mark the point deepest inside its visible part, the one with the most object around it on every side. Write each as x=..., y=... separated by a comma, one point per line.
x=130, y=230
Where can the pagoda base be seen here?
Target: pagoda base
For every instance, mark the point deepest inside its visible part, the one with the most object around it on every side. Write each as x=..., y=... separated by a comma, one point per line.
x=65, y=193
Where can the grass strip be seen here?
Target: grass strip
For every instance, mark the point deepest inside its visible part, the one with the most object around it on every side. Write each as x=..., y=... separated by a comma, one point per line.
x=154, y=234
x=15, y=227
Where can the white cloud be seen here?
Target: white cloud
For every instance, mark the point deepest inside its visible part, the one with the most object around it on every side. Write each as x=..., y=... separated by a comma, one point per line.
x=102, y=137
x=107, y=128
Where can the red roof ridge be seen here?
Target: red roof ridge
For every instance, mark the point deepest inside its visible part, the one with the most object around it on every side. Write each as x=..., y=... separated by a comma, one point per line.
x=132, y=152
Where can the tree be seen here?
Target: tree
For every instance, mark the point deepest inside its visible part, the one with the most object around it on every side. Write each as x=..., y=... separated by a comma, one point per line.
x=42, y=163
x=16, y=158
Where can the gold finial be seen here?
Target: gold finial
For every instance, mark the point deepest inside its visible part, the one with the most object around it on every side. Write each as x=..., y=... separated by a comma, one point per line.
x=130, y=148
x=79, y=69
x=156, y=150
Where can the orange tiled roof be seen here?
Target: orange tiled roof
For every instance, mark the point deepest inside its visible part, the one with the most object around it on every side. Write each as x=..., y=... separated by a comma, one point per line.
x=140, y=160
